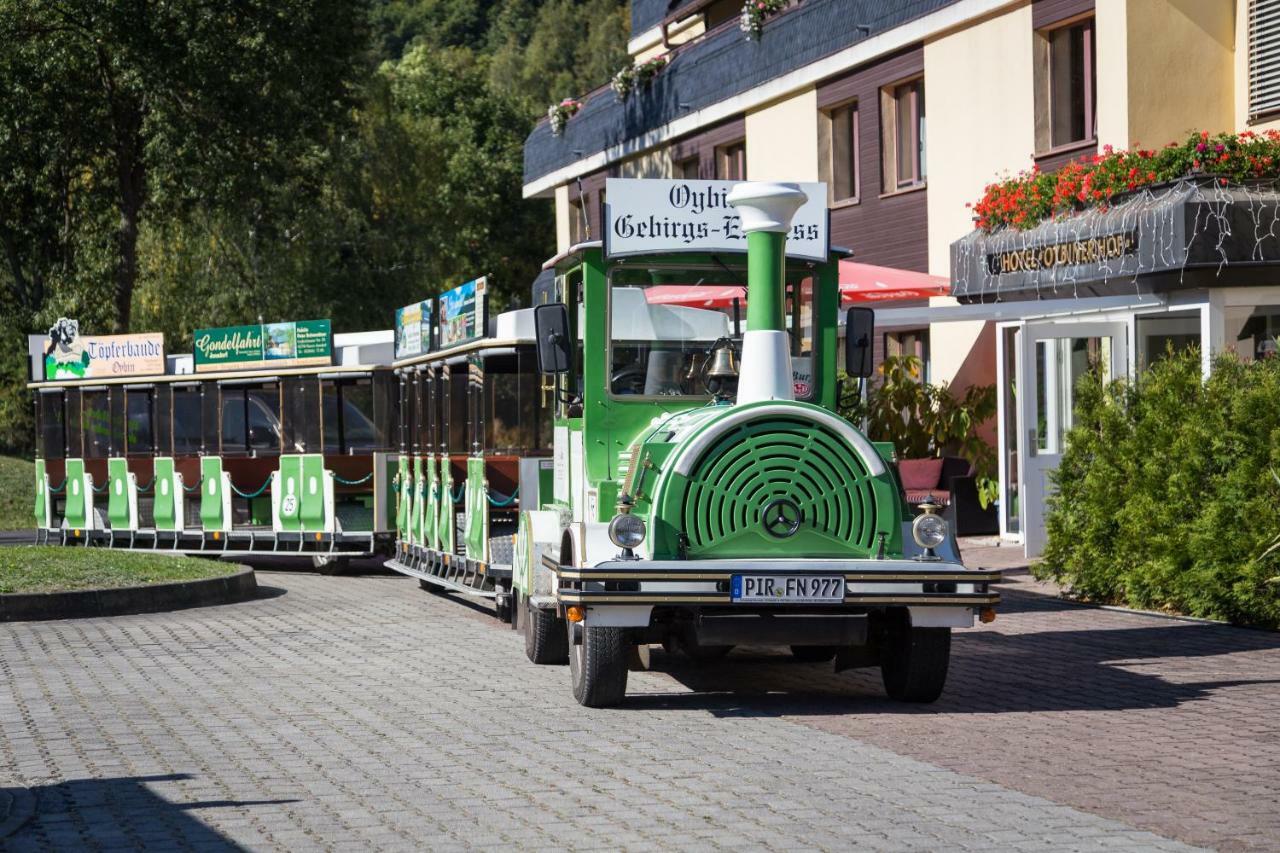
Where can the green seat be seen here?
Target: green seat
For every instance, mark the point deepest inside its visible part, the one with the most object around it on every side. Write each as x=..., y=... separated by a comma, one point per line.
x=44, y=501
x=446, y=534
x=415, y=504
x=167, y=486
x=431, y=504
x=404, y=496
x=78, y=512
x=122, y=495
x=302, y=495
x=476, y=521
x=215, y=496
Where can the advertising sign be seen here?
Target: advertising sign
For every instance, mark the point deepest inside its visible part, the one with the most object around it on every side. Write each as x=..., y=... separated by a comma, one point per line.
x=413, y=328
x=462, y=312
x=292, y=344
x=647, y=215
x=68, y=355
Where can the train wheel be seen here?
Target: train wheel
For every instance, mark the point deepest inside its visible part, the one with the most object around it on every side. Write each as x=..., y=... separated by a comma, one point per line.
x=545, y=638
x=598, y=667
x=813, y=654
x=914, y=661
x=326, y=564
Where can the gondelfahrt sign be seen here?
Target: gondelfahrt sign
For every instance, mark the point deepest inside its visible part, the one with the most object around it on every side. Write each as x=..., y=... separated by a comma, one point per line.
x=299, y=343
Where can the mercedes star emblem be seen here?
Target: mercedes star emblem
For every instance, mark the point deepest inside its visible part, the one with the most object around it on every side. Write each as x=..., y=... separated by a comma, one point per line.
x=782, y=518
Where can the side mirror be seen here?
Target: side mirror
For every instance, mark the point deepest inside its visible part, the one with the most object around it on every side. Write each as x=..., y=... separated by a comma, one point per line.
x=555, y=345
x=859, y=329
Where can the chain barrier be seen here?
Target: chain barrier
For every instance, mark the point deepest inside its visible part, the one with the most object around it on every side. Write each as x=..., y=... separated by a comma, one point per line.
x=105, y=486
x=194, y=488
x=457, y=496
x=363, y=479
x=148, y=486
x=260, y=490
x=58, y=488
x=504, y=500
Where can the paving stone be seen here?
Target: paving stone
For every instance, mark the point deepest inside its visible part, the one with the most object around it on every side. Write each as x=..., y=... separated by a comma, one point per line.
x=362, y=712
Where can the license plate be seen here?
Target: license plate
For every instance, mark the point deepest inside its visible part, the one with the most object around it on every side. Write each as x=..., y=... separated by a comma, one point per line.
x=787, y=589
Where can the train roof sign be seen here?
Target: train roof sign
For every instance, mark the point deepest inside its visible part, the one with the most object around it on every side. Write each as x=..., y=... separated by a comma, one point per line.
x=70, y=355
x=463, y=313
x=299, y=343
x=413, y=328
x=651, y=216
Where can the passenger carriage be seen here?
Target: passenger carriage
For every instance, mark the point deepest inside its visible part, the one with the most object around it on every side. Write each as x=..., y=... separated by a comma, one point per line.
x=291, y=461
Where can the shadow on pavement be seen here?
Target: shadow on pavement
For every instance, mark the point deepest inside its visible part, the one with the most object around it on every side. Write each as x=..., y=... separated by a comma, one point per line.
x=1089, y=669
x=110, y=813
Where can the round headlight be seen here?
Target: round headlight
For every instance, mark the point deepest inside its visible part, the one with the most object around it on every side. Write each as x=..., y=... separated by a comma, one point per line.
x=929, y=531
x=626, y=531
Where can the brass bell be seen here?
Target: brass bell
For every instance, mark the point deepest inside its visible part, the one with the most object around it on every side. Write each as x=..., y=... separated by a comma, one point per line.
x=723, y=364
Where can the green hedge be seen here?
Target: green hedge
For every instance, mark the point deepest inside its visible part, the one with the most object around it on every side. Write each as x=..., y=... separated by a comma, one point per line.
x=1167, y=495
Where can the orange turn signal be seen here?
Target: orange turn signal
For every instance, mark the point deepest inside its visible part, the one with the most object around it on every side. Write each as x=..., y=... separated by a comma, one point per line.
x=217, y=535
x=575, y=613
x=987, y=615
x=318, y=535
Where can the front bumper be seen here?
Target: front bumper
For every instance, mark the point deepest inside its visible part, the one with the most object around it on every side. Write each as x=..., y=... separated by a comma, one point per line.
x=868, y=583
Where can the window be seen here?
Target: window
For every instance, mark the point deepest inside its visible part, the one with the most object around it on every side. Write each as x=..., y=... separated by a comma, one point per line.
x=95, y=419
x=844, y=153
x=686, y=169
x=902, y=135
x=1066, y=92
x=577, y=222
x=1254, y=331
x=186, y=419
x=914, y=342
x=251, y=419
x=1264, y=58
x=349, y=422
x=53, y=438
x=138, y=428
x=731, y=161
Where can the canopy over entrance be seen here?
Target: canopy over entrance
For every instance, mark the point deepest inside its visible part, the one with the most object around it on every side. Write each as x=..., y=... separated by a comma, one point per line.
x=858, y=283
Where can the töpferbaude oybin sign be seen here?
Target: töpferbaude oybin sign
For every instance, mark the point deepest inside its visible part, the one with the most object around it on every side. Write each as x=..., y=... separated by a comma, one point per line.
x=643, y=216
x=69, y=355
x=462, y=312
x=301, y=343
x=413, y=328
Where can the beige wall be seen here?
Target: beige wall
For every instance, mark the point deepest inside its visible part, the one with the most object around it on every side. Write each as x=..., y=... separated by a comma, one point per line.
x=1165, y=68
x=562, y=218
x=979, y=100
x=651, y=164
x=782, y=139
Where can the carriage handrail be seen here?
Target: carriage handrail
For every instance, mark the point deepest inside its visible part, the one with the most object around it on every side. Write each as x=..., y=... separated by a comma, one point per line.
x=260, y=490
x=503, y=500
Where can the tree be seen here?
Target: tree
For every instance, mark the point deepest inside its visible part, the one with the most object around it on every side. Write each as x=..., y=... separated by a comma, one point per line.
x=174, y=103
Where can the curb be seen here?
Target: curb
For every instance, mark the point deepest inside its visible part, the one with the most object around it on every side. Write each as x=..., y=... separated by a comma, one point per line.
x=81, y=604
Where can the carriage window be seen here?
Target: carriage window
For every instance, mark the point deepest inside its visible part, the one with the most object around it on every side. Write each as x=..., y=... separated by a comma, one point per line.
x=513, y=417
x=302, y=415
x=671, y=330
x=250, y=419
x=458, y=408
x=349, y=424
x=53, y=438
x=96, y=424
x=75, y=435
x=210, y=423
x=138, y=430
x=186, y=420
x=162, y=420
x=386, y=407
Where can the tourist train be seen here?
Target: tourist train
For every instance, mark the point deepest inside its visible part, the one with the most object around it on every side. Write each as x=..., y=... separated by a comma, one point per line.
x=650, y=454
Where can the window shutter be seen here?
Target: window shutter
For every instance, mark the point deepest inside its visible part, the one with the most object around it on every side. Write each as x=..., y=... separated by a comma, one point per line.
x=1264, y=57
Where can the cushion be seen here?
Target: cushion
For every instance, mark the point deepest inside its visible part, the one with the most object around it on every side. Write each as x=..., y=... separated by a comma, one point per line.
x=919, y=473
x=940, y=496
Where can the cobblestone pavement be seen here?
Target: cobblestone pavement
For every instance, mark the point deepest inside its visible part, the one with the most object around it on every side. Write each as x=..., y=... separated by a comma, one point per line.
x=362, y=712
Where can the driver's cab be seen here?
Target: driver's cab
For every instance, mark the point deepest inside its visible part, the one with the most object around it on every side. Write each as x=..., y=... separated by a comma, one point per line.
x=651, y=335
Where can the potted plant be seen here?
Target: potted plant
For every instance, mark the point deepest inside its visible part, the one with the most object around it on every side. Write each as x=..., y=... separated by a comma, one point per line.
x=559, y=114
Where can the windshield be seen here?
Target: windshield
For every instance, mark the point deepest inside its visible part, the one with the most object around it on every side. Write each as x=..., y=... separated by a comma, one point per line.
x=676, y=331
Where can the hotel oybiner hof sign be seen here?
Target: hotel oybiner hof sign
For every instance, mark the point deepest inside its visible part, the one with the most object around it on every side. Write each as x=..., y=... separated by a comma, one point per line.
x=276, y=345
x=643, y=216
x=1089, y=250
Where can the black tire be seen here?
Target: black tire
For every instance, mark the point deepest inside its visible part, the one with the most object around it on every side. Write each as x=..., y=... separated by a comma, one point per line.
x=598, y=667
x=813, y=654
x=545, y=639
x=914, y=661
x=326, y=564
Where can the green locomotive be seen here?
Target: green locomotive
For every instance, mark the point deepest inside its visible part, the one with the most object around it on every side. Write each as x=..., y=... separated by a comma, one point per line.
x=691, y=513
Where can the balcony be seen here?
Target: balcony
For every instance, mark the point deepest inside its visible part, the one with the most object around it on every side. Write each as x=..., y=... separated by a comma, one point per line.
x=714, y=68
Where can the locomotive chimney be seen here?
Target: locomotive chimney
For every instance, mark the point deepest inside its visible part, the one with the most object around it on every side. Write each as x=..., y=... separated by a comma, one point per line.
x=766, y=211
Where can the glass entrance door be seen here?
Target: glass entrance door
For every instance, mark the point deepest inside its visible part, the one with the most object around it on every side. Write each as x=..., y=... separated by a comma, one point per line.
x=1053, y=358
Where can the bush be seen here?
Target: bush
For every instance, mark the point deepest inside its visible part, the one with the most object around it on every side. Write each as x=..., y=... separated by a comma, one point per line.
x=1168, y=489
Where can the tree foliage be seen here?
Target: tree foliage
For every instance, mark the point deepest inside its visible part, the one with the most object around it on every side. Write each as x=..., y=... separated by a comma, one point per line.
x=1166, y=492
x=169, y=164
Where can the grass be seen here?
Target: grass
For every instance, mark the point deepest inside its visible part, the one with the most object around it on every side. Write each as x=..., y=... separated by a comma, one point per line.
x=55, y=568
x=17, y=494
